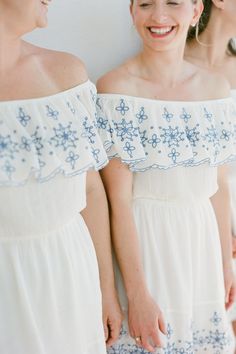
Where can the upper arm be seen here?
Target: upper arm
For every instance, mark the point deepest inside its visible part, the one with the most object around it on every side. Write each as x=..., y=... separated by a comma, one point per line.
x=118, y=182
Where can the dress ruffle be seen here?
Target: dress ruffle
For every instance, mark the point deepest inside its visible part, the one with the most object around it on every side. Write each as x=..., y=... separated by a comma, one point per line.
x=146, y=133
x=50, y=135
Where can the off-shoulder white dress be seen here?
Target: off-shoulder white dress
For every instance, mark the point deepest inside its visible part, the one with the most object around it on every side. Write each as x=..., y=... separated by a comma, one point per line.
x=173, y=149
x=50, y=301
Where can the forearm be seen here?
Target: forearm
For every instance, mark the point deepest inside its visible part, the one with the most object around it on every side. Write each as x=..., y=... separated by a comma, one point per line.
x=221, y=205
x=126, y=245
x=97, y=220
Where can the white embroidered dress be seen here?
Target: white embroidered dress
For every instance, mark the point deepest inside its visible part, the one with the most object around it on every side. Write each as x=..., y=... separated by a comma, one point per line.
x=173, y=149
x=50, y=301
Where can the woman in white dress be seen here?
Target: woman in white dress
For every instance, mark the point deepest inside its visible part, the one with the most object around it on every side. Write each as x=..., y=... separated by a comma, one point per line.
x=212, y=47
x=167, y=130
x=50, y=298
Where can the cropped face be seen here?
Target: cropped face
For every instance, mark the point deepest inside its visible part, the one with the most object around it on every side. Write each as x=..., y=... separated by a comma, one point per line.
x=25, y=15
x=230, y=14
x=164, y=24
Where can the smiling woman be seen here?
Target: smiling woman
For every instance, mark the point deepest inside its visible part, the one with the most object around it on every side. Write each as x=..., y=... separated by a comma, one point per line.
x=55, y=262
x=167, y=131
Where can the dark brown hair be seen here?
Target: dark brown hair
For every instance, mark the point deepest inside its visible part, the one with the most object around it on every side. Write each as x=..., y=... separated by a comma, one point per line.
x=202, y=25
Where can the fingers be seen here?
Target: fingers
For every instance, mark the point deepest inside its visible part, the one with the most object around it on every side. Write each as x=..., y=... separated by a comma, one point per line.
x=230, y=298
x=113, y=327
x=106, y=329
x=162, y=324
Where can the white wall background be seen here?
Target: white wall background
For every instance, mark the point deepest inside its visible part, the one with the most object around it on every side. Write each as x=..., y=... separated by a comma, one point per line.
x=100, y=32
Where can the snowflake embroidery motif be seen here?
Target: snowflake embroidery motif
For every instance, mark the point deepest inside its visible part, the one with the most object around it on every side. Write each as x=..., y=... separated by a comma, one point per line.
x=192, y=135
x=52, y=113
x=65, y=137
x=172, y=136
x=167, y=115
x=216, y=319
x=141, y=115
x=122, y=108
x=23, y=117
x=125, y=130
x=8, y=169
x=7, y=147
x=212, y=136
x=72, y=158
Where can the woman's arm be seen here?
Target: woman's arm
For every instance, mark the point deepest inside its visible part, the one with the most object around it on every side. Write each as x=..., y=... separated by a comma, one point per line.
x=221, y=205
x=97, y=219
x=145, y=318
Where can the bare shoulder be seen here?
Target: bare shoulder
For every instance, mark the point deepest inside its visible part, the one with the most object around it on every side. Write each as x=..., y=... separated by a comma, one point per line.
x=213, y=85
x=116, y=81
x=63, y=69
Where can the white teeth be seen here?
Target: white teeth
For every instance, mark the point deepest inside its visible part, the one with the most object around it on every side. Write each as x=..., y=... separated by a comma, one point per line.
x=160, y=30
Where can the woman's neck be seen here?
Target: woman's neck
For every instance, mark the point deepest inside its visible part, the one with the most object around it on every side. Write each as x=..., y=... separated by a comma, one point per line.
x=165, y=67
x=10, y=50
x=212, y=49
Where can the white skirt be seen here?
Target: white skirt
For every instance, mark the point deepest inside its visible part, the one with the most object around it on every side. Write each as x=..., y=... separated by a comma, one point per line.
x=182, y=262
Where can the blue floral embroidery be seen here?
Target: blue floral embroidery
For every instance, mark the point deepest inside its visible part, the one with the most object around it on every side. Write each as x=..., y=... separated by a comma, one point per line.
x=212, y=136
x=122, y=108
x=208, y=115
x=172, y=136
x=95, y=153
x=52, y=113
x=65, y=137
x=173, y=155
x=129, y=149
x=102, y=123
x=216, y=319
x=125, y=130
x=215, y=341
x=185, y=116
x=154, y=141
x=72, y=158
x=226, y=135
x=37, y=140
x=71, y=108
x=8, y=169
x=141, y=115
x=143, y=137
x=193, y=135
x=8, y=148
x=26, y=144
x=167, y=115
x=89, y=130
x=23, y=117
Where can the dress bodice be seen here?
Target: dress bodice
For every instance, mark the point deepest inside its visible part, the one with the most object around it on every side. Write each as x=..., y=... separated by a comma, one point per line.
x=180, y=183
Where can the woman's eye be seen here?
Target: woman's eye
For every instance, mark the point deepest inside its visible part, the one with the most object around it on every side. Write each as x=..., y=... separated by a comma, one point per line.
x=173, y=3
x=145, y=4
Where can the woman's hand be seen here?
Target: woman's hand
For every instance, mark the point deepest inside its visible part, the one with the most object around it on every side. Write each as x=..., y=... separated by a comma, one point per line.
x=230, y=286
x=145, y=321
x=112, y=317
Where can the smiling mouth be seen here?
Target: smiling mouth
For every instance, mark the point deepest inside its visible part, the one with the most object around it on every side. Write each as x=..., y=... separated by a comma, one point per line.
x=161, y=31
